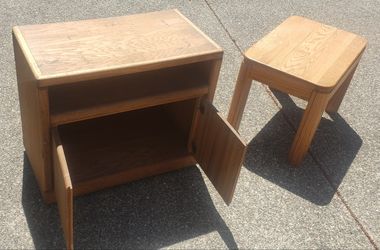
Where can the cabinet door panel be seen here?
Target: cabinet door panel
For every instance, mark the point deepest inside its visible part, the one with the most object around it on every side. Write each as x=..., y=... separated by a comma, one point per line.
x=63, y=189
x=218, y=149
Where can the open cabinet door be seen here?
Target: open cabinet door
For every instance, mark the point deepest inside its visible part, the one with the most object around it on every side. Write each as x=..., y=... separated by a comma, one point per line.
x=218, y=149
x=63, y=189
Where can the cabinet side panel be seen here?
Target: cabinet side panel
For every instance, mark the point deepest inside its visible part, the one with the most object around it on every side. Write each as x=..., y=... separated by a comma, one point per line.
x=34, y=117
x=213, y=78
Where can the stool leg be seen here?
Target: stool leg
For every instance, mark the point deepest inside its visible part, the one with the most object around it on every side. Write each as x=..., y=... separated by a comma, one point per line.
x=337, y=98
x=306, y=130
x=239, y=99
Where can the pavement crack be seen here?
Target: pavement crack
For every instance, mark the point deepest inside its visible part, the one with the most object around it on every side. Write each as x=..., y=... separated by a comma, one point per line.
x=294, y=128
x=341, y=198
x=224, y=28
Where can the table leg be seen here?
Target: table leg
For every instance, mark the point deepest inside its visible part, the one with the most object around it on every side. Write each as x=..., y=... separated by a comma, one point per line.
x=239, y=99
x=337, y=98
x=309, y=123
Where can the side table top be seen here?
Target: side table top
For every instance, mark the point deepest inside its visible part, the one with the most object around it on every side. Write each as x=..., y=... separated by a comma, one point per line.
x=316, y=53
x=82, y=50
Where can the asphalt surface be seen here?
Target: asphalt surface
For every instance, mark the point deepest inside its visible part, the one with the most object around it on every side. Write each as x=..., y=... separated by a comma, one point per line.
x=332, y=201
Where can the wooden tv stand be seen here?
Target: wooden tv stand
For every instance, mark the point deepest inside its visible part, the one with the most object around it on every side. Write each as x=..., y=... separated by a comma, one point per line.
x=108, y=101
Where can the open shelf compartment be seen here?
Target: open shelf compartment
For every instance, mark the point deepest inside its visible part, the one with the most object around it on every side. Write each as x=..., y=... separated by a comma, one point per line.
x=90, y=99
x=112, y=150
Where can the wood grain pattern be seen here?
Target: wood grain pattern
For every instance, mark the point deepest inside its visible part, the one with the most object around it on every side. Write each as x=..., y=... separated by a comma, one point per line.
x=88, y=49
x=308, y=126
x=113, y=100
x=34, y=110
x=63, y=189
x=218, y=150
x=306, y=59
x=313, y=52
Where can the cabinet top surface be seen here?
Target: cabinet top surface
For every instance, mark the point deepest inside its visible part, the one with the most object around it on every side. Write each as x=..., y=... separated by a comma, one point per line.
x=88, y=49
x=312, y=51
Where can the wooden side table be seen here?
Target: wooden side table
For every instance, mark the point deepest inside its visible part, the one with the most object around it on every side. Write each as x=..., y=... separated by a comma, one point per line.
x=108, y=101
x=306, y=59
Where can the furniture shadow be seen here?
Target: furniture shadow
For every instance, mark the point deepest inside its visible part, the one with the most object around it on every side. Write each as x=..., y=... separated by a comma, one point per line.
x=334, y=147
x=151, y=213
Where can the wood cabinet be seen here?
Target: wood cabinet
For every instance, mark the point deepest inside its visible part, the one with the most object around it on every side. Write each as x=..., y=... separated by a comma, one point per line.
x=108, y=101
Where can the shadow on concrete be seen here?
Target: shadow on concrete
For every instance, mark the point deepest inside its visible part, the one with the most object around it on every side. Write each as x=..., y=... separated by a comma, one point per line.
x=335, y=146
x=151, y=213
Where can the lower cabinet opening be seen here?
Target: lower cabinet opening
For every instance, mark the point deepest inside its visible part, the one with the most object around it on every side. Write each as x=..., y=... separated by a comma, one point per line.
x=111, y=150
